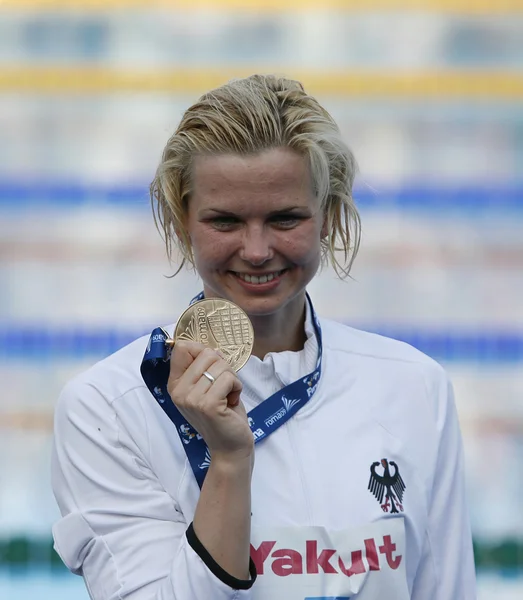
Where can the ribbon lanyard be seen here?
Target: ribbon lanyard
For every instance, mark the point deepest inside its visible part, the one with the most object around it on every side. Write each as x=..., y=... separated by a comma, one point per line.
x=264, y=419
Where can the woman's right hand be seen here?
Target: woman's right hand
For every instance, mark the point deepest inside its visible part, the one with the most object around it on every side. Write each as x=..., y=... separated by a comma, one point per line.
x=213, y=409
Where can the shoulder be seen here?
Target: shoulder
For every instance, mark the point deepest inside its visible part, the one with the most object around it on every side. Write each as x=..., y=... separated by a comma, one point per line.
x=97, y=388
x=405, y=390
x=339, y=337
x=378, y=355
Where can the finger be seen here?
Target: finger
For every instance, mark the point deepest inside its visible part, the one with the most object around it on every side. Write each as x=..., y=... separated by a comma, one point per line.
x=183, y=355
x=202, y=385
x=205, y=361
x=226, y=384
x=233, y=398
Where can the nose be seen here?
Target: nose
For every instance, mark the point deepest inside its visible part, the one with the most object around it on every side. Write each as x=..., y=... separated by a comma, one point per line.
x=256, y=245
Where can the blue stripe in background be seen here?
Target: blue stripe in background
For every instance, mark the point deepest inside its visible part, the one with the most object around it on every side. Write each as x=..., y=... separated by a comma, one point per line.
x=79, y=343
x=468, y=199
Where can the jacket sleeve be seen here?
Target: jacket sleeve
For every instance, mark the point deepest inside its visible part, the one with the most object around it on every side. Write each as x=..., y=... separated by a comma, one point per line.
x=120, y=529
x=446, y=569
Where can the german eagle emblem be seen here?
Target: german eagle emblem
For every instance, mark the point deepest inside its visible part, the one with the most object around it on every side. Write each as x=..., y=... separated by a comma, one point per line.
x=389, y=485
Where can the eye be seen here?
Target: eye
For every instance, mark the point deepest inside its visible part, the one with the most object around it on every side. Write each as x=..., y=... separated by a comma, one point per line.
x=224, y=223
x=286, y=221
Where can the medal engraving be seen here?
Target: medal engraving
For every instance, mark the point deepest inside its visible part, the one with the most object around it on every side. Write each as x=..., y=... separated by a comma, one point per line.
x=220, y=325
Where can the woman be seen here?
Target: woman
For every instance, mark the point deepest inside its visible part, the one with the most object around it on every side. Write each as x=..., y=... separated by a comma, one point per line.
x=359, y=493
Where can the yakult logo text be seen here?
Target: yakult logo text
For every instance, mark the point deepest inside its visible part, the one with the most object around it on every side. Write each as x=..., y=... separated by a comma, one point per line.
x=289, y=561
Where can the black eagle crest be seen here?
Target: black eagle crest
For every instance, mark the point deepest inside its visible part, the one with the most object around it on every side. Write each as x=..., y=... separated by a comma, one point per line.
x=390, y=486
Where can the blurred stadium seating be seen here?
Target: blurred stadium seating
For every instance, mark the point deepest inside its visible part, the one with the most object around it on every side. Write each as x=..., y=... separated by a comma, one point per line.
x=428, y=94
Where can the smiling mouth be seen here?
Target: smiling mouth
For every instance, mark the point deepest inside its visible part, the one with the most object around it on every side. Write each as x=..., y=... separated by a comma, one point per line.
x=259, y=279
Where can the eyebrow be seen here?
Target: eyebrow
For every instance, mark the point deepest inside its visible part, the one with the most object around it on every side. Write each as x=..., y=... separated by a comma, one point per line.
x=281, y=211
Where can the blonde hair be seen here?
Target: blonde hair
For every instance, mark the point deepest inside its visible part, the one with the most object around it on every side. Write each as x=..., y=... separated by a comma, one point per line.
x=248, y=116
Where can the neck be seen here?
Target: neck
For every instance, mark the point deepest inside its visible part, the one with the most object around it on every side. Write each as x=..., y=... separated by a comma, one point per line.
x=284, y=330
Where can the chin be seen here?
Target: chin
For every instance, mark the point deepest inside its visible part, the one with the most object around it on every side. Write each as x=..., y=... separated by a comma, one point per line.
x=260, y=309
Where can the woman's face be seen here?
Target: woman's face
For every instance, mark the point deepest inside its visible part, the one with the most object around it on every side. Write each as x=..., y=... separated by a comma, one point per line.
x=255, y=228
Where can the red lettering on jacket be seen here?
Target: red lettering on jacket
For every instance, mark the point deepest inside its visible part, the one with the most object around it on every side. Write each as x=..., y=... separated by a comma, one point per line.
x=372, y=555
x=388, y=548
x=357, y=565
x=259, y=555
x=289, y=562
x=314, y=561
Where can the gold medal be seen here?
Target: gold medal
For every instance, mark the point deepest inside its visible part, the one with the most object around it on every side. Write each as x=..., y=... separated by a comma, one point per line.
x=220, y=325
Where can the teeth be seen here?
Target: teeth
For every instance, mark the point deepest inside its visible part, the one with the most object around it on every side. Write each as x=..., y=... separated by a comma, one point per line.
x=255, y=279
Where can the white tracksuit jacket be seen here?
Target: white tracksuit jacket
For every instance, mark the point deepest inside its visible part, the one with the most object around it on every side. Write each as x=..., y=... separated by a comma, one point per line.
x=127, y=494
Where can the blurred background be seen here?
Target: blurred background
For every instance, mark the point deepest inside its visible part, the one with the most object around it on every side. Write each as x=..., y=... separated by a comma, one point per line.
x=428, y=93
